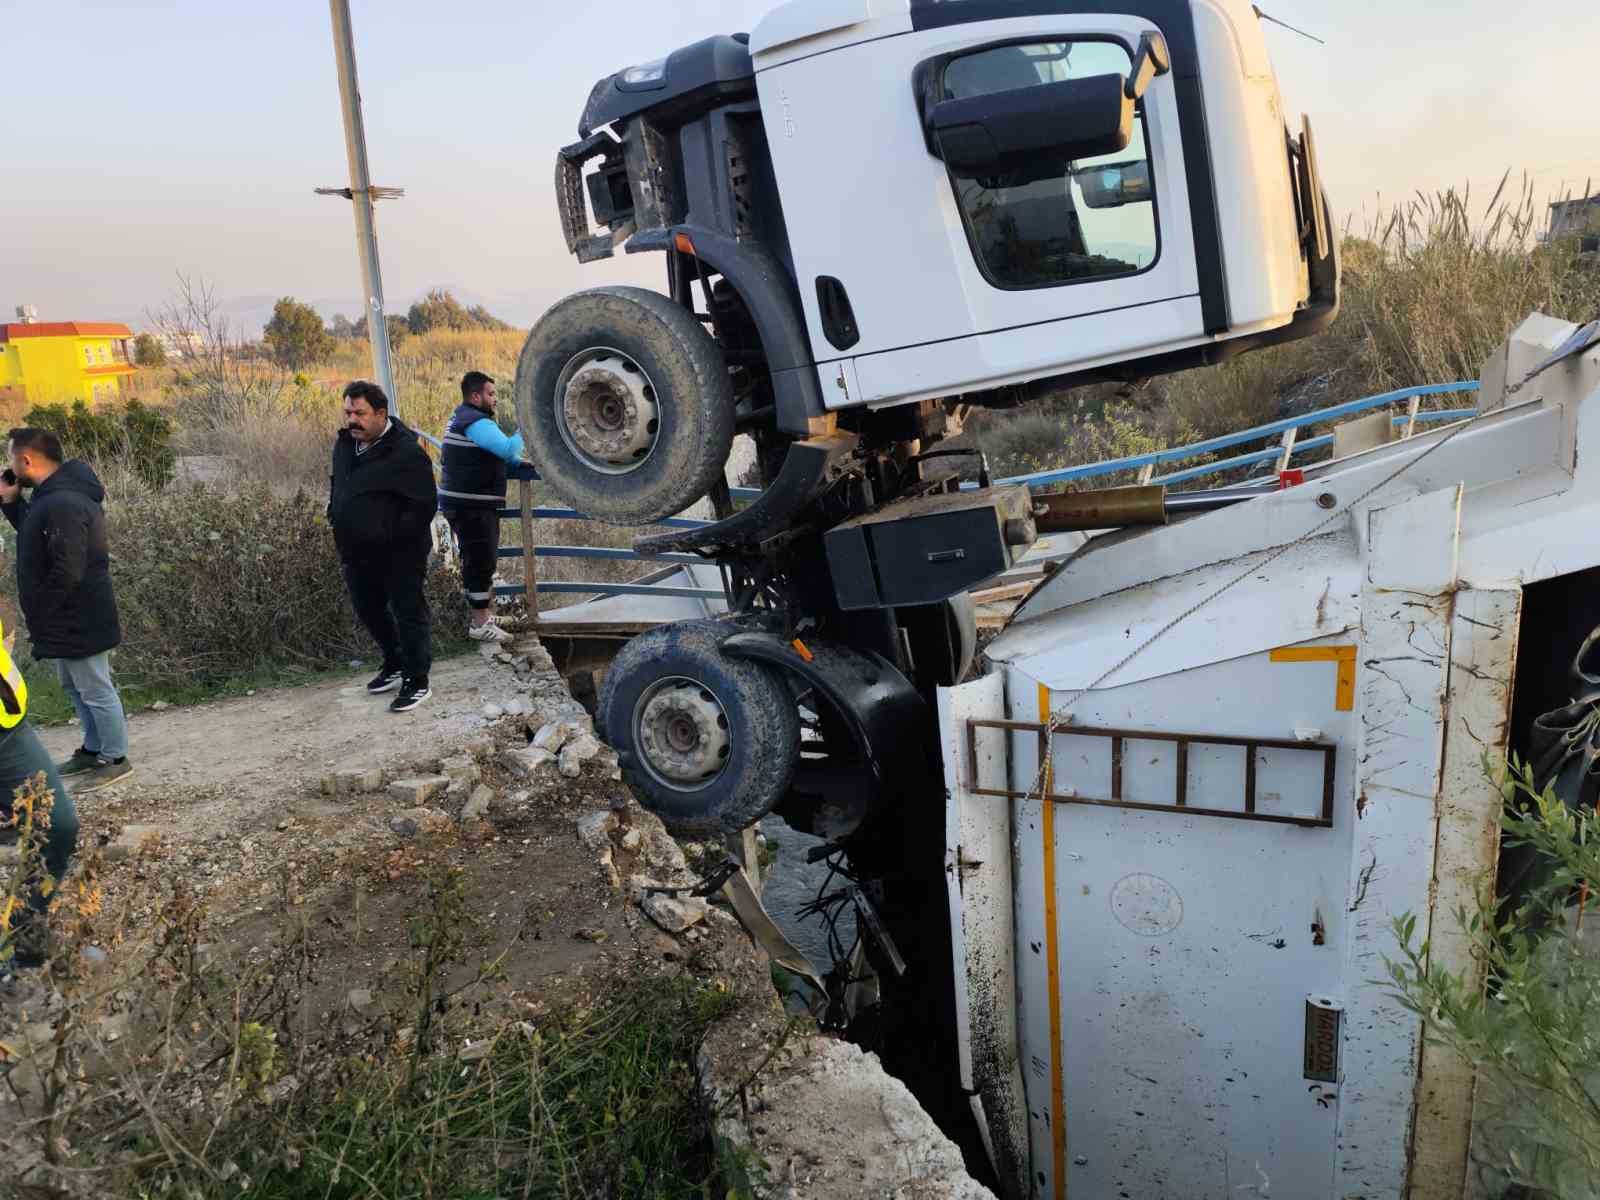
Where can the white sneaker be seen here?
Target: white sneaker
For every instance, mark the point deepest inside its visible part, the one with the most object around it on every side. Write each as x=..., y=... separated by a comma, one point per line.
x=487, y=632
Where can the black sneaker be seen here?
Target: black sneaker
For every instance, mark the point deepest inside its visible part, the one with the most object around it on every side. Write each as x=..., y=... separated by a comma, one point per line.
x=386, y=680
x=82, y=760
x=412, y=693
x=104, y=773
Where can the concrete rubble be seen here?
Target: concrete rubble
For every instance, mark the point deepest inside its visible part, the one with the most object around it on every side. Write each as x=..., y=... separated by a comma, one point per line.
x=827, y=1122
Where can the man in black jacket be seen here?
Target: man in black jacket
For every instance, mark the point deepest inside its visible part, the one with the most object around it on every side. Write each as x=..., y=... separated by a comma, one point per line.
x=64, y=587
x=380, y=503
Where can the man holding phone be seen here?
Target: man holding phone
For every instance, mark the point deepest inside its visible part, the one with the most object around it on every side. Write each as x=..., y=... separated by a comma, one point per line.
x=64, y=587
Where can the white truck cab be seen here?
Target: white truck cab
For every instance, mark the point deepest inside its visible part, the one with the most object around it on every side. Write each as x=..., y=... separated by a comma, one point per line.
x=890, y=201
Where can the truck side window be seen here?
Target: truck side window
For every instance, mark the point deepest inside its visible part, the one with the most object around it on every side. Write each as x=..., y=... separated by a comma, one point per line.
x=1095, y=221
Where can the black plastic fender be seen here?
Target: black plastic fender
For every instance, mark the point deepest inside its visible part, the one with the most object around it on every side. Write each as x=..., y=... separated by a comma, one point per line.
x=884, y=712
x=769, y=292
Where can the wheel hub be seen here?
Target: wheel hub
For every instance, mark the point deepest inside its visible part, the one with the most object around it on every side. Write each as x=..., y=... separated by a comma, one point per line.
x=608, y=410
x=683, y=732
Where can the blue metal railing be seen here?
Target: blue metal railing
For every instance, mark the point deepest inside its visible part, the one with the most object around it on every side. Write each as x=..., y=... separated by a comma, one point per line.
x=1134, y=462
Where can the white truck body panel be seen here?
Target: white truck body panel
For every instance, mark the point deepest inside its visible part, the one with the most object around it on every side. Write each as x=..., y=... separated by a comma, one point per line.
x=1172, y=967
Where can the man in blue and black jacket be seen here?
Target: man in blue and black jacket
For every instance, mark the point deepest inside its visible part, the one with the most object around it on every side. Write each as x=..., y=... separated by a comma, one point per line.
x=472, y=491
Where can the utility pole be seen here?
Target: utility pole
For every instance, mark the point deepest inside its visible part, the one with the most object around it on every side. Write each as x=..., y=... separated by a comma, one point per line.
x=361, y=195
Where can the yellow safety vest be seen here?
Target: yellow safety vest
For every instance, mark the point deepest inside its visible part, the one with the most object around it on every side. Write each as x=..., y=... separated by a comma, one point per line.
x=13, y=689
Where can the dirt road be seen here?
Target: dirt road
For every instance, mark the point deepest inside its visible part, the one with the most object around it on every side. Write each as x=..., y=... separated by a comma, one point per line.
x=265, y=746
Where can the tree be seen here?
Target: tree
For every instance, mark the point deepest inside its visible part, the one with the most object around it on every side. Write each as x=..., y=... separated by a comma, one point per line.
x=399, y=330
x=437, y=310
x=148, y=351
x=484, y=319
x=441, y=310
x=341, y=326
x=295, y=335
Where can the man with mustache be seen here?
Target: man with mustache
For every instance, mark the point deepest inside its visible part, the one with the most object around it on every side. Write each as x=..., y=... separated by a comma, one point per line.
x=381, y=501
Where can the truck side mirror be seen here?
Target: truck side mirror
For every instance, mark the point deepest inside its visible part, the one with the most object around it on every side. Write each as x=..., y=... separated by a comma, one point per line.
x=1031, y=133
x=1114, y=184
x=1152, y=60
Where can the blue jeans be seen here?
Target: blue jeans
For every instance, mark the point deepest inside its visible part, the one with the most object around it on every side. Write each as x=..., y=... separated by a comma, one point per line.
x=88, y=683
x=22, y=756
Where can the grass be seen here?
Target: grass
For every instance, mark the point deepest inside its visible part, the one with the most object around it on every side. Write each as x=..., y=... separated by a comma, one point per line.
x=228, y=1084
x=593, y=1104
x=231, y=1078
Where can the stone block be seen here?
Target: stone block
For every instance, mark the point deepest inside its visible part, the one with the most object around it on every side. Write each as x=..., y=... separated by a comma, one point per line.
x=594, y=830
x=419, y=789
x=577, y=752
x=131, y=841
x=523, y=763
x=555, y=735
x=674, y=914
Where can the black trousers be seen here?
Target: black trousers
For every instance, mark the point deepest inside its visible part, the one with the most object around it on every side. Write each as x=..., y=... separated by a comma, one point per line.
x=477, y=531
x=388, y=597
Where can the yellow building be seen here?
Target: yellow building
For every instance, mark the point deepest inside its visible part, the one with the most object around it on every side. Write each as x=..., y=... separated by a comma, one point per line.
x=57, y=362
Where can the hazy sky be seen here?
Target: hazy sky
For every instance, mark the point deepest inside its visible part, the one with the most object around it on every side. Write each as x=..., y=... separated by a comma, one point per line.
x=142, y=139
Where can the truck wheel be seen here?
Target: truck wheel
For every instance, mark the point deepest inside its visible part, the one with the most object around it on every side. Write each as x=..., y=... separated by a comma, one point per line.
x=626, y=405
x=708, y=742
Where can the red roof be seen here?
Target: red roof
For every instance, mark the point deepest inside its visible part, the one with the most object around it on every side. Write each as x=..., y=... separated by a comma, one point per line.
x=65, y=329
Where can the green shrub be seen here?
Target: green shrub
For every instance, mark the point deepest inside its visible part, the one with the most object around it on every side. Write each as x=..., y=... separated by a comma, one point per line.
x=134, y=434
x=1533, y=1033
x=212, y=585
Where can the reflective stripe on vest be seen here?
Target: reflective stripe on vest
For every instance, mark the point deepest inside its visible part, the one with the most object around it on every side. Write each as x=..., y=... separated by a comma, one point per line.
x=471, y=477
x=13, y=689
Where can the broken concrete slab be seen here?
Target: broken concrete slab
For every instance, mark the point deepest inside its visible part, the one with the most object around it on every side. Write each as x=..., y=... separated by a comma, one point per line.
x=524, y=762
x=419, y=789
x=577, y=752
x=832, y=1125
x=594, y=830
x=674, y=914
x=353, y=781
x=555, y=735
x=460, y=768
x=660, y=851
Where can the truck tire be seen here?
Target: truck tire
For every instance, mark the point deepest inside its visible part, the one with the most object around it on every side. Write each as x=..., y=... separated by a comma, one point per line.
x=625, y=404
x=708, y=742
